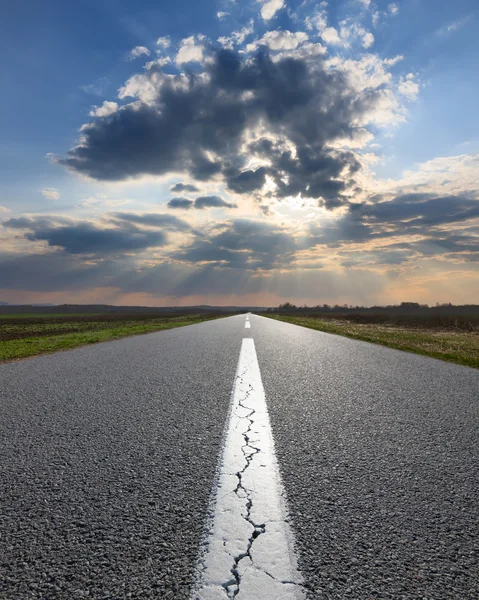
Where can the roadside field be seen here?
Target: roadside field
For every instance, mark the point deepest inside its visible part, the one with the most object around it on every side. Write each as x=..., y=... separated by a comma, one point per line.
x=46, y=315
x=453, y=345
x=25, y=336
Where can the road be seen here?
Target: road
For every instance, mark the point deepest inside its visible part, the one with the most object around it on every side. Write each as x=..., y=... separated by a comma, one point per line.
x=110, y=453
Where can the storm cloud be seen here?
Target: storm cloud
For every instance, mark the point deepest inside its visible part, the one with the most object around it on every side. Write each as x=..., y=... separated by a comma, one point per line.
x=196, y=123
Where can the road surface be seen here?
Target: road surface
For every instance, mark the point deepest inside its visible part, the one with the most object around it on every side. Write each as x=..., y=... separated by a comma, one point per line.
x=110, y=457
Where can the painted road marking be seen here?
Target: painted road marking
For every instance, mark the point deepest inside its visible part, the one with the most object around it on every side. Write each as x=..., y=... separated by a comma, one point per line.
x=247, y=325
x=249, y=551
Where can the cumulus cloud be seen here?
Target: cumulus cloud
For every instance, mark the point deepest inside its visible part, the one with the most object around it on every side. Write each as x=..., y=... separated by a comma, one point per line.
x=350, y=32
x=368, y=39
x=191, y=50
x=236, y=38
x=446, y=175
x=244, y=182
x=417, y=224
x=84, y=237
x=421, y=211
x=270, y=7
x=394, y=60
x=331, y=36
x=180, y=202
x=408, y=86
x=200, y=203
x=138, y=51
x=50, y=193
x=157, y=63
x=212, y=202
x=290, y=112
x=106, y=109
x=184, y=187
x=279, y=40
x=163, y=42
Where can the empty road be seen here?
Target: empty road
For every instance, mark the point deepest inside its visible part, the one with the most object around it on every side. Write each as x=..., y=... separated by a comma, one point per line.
x=111, y=455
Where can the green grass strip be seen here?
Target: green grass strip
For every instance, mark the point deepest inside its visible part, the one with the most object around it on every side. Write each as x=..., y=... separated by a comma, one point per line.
x=33, y=346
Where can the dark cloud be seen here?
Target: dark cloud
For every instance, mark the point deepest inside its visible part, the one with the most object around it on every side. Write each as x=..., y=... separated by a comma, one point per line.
x=246, y=182
x=212, y=202
x=430, y=217
x=408, y=214
x=184, y=187
x=200, y=203
x=180, y=202
x=242, y=243
x=196, y=124
x=422, y=210
x=86, y=238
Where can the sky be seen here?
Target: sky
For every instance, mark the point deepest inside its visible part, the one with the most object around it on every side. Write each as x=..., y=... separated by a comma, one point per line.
x=239, y=152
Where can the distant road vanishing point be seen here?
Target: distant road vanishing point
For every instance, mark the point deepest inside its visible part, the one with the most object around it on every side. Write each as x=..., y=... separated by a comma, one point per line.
x=239, y=458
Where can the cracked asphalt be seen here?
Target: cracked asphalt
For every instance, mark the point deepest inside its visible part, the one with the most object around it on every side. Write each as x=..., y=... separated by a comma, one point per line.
x=109, y=453
x=249, y=451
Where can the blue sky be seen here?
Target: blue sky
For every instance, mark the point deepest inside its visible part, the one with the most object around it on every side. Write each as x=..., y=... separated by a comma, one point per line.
x=414, y=61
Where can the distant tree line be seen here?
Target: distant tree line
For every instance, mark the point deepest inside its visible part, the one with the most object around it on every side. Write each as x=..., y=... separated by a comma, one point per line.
x=404, y=307
x=407, y=314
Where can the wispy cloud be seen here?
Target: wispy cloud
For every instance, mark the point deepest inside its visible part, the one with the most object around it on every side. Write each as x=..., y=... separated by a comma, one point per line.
x=98, y=88
x=50, y=193
x=453, y=27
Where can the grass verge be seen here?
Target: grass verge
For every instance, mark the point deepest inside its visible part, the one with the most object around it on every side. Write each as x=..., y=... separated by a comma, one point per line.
x=457, y=347
x=23, y=338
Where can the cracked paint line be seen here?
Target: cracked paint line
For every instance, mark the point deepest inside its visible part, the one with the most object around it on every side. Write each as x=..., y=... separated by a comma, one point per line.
x=249, y=551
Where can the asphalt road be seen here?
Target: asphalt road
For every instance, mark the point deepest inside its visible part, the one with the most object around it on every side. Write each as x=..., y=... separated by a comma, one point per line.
x=109, y=454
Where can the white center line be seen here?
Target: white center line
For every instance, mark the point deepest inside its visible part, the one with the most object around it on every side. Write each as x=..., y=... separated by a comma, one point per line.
x=249, y=552
x=247, y=325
